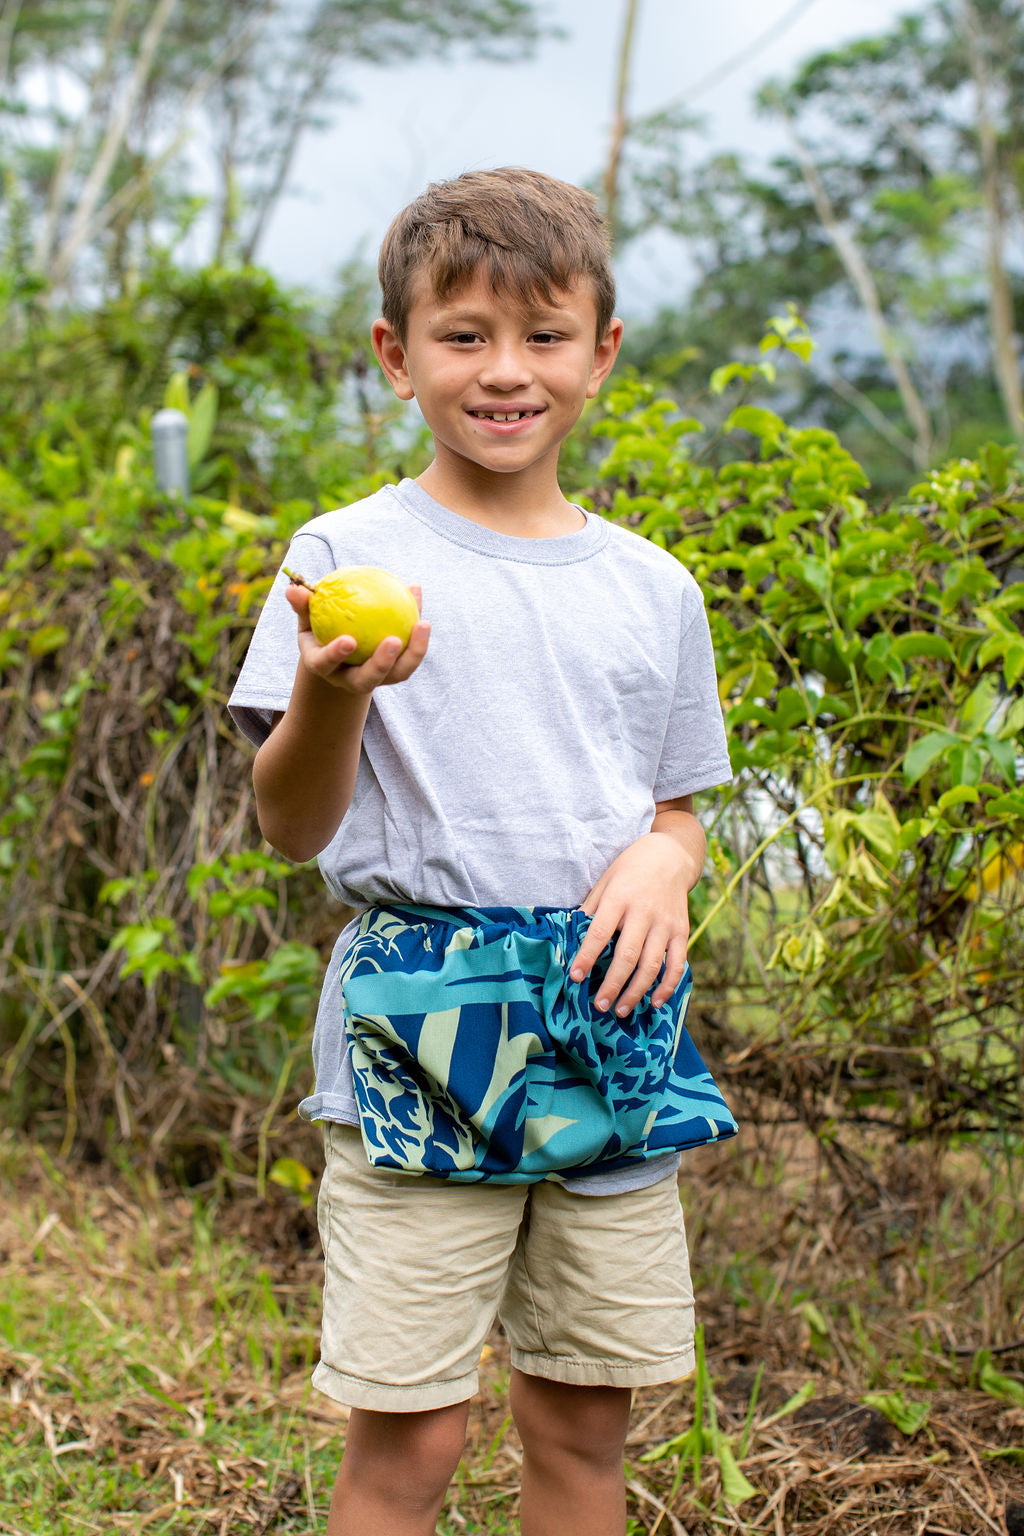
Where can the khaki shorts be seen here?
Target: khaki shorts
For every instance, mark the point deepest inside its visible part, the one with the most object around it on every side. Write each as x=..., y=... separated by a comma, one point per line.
x=592, y=1290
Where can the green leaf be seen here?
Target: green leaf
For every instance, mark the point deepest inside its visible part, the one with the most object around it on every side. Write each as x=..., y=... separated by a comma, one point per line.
x=754, y=419
x=1004, y=754
x=814, y=1317
x=917, y=644
x=291, y=1175
x=977, y=711
x=919, y=757
x=994, y=1382
x=680, y=1445
x=176, y=393
x=799, y=1398
x=960, y=794
x=723, y=377
x=784, y=524
x=966, y=764
x=201, y=419
x=790, y=708
x=735, y=1486
x=1013, y=665
x=47, y=639
x=907, y=1417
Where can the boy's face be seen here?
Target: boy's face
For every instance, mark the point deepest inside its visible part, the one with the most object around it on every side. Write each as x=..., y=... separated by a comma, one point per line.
x=499, y=385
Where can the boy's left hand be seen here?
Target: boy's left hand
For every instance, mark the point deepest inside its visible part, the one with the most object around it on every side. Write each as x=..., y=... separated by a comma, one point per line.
x=642, y=897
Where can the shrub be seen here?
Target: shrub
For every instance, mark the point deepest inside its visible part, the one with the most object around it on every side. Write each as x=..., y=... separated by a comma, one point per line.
x=861, y=944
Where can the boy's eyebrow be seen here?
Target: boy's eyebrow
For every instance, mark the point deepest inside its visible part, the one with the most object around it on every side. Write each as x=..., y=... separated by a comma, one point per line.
x=446, y=315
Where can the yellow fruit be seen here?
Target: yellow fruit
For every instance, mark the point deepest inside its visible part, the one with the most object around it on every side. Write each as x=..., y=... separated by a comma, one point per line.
x=362, y=601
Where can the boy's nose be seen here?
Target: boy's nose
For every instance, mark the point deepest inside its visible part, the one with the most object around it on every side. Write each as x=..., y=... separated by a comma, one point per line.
x=505, y=367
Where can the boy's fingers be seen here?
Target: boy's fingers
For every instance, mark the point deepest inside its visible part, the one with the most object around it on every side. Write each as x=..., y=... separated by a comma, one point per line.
x=631, y=975
x=324, y=660
x=377, y=669
x=675, y=965
x=413, y=654
x=390, y=662
x=653, y=964
x=626, y=955
x=298, y=599
x=598, y=935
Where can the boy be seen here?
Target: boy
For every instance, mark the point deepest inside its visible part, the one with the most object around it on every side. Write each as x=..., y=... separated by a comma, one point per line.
x=511, y=810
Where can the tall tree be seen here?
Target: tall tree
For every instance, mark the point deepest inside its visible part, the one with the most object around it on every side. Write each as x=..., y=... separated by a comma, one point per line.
x=895, y=220
x=129, y=81
x=921, y=134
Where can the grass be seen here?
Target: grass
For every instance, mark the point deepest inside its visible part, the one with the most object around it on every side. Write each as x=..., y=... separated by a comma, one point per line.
x=155, y=1350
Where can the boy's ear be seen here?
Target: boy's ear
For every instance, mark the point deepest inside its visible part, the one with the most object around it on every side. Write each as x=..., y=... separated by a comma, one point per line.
x=391, y=356
x=604, y=357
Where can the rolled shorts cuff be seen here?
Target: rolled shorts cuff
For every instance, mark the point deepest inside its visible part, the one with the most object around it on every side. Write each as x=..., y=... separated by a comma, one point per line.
x=383, y=1397
x=604, y=1373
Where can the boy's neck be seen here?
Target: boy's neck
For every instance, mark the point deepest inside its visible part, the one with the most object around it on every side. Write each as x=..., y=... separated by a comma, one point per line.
x=523, y=506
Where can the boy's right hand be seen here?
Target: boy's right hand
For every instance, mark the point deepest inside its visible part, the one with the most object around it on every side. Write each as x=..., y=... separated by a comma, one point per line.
x=390, y=663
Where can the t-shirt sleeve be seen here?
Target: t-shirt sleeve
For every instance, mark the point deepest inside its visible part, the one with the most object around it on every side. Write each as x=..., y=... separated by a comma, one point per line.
x=264, y=684
x=695, y=755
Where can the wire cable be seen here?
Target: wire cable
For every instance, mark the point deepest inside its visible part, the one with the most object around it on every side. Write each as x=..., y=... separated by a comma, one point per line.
x=750, y=50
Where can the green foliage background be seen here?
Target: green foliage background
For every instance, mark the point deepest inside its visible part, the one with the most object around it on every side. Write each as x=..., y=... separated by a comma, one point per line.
x=858, y=948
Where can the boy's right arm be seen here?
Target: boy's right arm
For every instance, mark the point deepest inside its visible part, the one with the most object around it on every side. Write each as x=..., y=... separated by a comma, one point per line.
x=305, y=772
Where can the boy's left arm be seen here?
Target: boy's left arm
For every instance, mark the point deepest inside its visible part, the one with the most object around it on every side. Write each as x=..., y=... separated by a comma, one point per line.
x=642, y=897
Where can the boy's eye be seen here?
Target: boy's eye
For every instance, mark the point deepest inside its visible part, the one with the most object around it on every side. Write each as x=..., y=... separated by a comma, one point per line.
x=544, y=337
x=464, y=337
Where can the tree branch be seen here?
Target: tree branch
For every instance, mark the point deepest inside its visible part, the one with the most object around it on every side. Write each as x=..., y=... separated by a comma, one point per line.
x=113, y=139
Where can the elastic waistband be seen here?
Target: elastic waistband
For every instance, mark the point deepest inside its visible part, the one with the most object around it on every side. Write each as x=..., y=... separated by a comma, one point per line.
x=475, y=917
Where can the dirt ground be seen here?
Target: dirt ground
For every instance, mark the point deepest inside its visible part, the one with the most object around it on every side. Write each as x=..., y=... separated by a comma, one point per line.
x=819, y=1286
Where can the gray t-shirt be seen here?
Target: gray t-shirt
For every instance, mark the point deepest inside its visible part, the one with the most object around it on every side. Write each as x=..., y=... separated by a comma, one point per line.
x=569, y=685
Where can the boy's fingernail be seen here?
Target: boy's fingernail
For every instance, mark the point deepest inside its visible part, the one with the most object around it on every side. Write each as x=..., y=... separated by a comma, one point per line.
x=576, y=973
x=602, y=1003
x=622, y=1010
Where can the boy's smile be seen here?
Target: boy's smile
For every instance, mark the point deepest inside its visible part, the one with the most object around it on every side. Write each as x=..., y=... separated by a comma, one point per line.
x=499, y=383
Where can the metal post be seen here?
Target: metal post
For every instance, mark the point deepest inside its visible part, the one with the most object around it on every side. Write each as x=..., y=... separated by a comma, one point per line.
x=170, y=450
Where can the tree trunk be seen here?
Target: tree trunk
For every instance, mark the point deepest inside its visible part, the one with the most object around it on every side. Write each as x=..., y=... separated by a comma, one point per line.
x=8, y=24
x=47, y=234
x=859, y=273
x=137, y=184
x=1005, y=347
x=113, y=139
x=228, y=158
x=268, y=201
x=619, y=122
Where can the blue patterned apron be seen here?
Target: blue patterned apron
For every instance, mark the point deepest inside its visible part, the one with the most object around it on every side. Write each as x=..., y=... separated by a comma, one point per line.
x=476, y=1056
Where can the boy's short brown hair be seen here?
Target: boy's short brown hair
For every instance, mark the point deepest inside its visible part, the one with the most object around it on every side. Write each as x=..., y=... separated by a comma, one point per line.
x=530, y=234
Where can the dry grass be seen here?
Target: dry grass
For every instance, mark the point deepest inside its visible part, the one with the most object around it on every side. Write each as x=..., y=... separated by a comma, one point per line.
x=155, y=1352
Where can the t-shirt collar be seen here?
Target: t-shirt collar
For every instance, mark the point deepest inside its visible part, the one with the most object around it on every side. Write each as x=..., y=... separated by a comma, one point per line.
x=564, y=550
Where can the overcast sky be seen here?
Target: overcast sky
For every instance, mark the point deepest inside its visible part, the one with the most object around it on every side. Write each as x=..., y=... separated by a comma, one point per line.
x=417, y=123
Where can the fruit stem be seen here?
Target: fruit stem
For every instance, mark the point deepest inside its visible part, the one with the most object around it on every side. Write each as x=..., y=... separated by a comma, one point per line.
x=300, y=581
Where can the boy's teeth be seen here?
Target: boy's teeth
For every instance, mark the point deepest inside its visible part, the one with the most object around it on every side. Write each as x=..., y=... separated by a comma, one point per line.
x=502, y=415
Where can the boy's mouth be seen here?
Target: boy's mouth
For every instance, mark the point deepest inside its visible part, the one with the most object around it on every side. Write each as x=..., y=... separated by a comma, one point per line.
x=503, y=415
